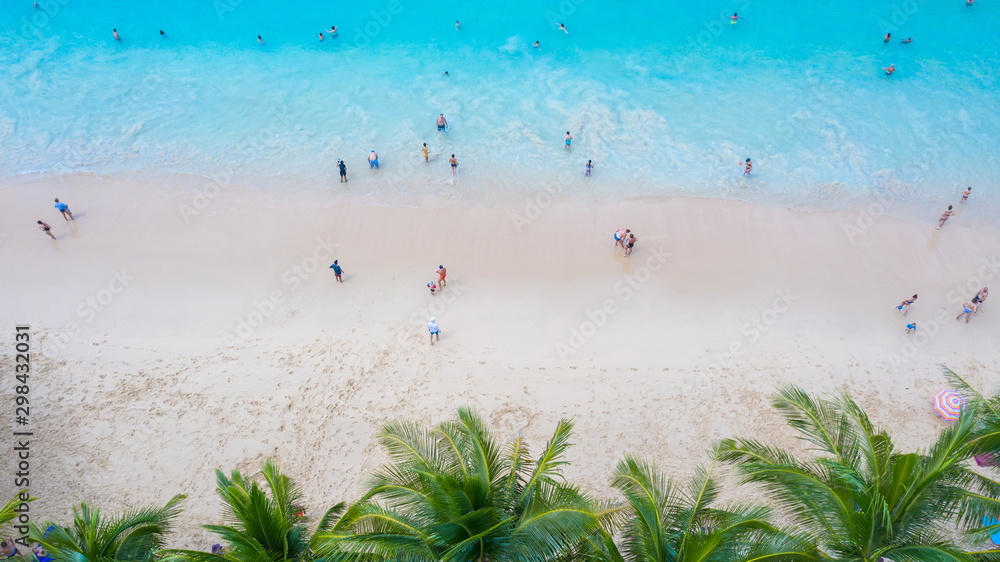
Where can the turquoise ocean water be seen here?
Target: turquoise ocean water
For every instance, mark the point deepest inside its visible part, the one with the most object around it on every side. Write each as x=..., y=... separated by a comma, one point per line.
x=665, y=97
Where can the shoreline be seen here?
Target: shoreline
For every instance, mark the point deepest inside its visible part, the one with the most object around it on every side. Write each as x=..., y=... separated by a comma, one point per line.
x=147, y=388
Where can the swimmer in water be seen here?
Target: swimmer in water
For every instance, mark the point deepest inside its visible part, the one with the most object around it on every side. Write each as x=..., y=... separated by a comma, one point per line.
x=332, y=31
x=887, y=37
x=115, y=33
x=259, y=40
x=537, y=45
x=320, y=36
x=889, y=70
x=562, y=26
x=735, y=17
x=36, y=5
x=907, y=40
x=442, y=123
x=446, y=73
x=968, y=3
x=457, y=25
x=747, y=167
x=162, y=34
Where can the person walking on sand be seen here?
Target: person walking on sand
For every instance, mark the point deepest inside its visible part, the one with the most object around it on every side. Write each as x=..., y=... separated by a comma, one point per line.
x=454, y=165
x=337, y=270
x=589, y=168
x=432, y=287
x=343, y=171
x=944, y=217
x=442, y=124
x=965, y=195
x=968, y=309
x=980, y=298
x=620, y=235
x=46, y=229
x=64, y=209
x=628, y=245
x=911, y=327
x=427, y=154
x=373, y=159
x=568, y=139
x=433, y=328
x=905, y=305
x=442, y=273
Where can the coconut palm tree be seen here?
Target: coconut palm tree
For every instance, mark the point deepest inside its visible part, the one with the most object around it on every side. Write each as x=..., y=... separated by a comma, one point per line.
x=133, y=536
x=859, y=497
x=261, y=526
x=671, y=523
x=452, y=493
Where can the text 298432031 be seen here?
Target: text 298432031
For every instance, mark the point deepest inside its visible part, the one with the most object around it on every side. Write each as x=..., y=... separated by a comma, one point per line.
x=22, y=430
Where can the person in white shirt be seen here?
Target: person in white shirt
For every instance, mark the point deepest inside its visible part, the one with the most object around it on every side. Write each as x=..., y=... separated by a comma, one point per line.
x=433, y=328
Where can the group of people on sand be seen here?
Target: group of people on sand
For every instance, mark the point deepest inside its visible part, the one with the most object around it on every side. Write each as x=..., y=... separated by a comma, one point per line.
x=951, y=211
x=626, y=239
x=970, y=307
x=442, y=282
x=66, y=213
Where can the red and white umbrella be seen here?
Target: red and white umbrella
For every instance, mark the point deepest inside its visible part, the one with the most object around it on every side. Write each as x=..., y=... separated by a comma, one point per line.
x=949, y=404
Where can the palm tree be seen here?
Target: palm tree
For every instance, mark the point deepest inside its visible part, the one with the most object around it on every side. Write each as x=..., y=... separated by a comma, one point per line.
x=981, y=512
x=133, y=536
x=670, y=523
x=859, y=497
x=453, y=494
x=261, y=526
x=7, y=513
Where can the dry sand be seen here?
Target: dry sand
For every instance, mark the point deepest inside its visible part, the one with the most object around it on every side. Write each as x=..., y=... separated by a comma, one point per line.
x=169, y=343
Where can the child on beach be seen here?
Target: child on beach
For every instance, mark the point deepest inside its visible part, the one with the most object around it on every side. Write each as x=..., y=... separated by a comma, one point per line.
x=912, y=327
x=337, y=270
x=944, y=217
x=590, y=167
x=568, y=139
x=64, y=209
x=46, y=229
x=433, y=328
x=905, y=305
x=373, y=159
x=432, y=287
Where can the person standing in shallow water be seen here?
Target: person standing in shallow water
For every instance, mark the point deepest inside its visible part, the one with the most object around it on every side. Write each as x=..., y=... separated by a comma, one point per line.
x=568, y=139
x=343, y=171
x=590, y=167
x=454, y=165
x=944, y=217
x=747, y=167
x=426, y=153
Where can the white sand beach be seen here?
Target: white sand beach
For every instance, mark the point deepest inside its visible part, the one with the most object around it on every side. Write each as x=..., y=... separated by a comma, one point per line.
x=175, y=335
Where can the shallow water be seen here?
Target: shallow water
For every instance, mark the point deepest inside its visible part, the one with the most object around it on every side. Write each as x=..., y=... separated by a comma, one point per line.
x=666, y=99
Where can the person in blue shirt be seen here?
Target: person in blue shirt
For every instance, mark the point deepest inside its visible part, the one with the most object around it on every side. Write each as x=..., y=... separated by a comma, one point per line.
x=337, y=270
x=64, y=209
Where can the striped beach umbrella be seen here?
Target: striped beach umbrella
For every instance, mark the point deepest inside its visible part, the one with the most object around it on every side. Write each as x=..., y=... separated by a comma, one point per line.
x=949, y=404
